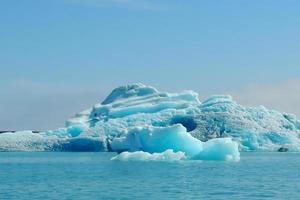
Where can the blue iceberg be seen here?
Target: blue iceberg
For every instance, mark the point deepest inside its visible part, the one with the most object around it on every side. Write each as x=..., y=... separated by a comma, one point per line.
x=139, y=118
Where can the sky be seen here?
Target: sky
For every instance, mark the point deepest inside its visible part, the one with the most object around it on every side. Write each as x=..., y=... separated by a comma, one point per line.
x=59, y=57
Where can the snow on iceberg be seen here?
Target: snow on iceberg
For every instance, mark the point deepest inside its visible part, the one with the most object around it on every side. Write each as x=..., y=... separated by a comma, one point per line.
x=140, y=118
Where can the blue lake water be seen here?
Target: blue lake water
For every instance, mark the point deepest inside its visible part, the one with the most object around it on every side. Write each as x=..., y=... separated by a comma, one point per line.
x=95, y=176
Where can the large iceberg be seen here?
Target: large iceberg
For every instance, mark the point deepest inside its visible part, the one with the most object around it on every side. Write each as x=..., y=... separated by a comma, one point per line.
x=136, y=118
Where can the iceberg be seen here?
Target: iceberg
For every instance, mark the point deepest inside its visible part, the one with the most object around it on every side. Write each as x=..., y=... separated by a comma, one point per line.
x=144, y=122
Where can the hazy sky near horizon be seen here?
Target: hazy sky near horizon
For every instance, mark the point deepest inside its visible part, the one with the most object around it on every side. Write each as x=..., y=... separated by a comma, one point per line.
x=61, y=56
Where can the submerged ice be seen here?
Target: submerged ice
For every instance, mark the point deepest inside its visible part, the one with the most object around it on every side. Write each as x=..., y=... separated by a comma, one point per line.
x=139, y=118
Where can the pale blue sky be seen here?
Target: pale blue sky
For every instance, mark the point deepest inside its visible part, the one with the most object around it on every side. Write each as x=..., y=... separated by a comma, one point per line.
x=58, y=57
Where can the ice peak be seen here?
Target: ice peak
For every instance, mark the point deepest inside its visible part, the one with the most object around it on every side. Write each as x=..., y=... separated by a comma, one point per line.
x=130, y=90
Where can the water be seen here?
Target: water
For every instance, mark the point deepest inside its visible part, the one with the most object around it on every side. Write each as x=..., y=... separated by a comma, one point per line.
x=94, y=176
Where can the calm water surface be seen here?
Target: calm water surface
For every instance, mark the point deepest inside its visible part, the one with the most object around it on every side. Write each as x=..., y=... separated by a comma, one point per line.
x=95, y=176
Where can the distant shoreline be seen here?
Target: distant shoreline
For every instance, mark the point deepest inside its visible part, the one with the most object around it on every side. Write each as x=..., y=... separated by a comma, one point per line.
x=17, y=131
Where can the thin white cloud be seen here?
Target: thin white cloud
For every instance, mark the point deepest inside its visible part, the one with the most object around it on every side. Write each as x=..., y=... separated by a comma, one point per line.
x=27, y=104
x=284, y=96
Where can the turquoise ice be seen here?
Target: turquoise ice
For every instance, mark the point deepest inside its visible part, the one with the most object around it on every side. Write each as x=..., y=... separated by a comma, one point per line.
x=139, y=118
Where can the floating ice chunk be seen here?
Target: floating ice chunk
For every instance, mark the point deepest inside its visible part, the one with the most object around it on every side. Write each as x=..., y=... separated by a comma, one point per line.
x=219, y=149
x=158, y=139
x=168, y=155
